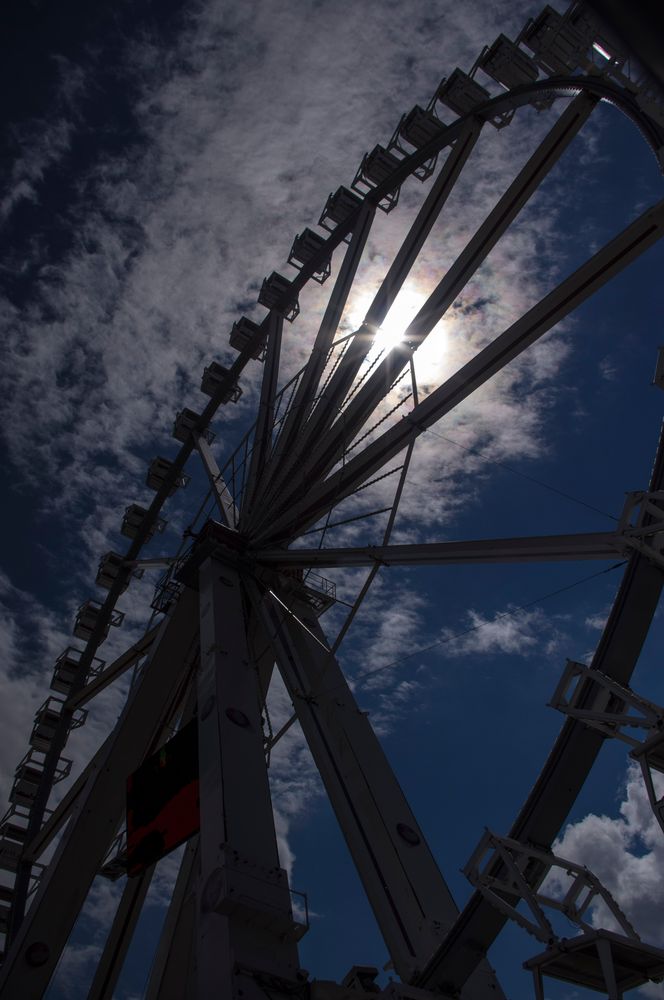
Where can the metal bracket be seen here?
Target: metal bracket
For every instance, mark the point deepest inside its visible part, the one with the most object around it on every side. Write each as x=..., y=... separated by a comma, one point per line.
x=595, y=699
x=641, y=525
x=513, y=872
x=604, y=960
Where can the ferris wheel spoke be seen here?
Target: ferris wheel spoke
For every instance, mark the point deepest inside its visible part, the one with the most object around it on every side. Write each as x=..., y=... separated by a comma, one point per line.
x=604, y=265
x=538, y=548
x=313, y=370
x=335, y=393
x=426, y=217
x=353, y=417
x=387, y=534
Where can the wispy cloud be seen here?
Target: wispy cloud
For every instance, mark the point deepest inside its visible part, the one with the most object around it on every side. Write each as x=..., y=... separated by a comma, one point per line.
x=513, y=631
x=39, y=145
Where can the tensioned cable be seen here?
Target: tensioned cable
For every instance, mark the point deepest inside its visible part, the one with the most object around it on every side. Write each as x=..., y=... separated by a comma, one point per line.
x=448, y=638
x=523, y=475
x=492, y=621
x=348, y=520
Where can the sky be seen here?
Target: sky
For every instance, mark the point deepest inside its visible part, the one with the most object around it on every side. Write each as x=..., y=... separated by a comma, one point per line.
x=160, y=160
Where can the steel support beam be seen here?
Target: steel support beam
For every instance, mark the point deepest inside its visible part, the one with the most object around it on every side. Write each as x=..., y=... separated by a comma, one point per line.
x=114, y=670
x=173, y=973
x=340, y=384
x=330, y=449
x=403, y=883
x=98, y=809
x=117, y=944
x=424, y=222
x=290, y=437
x=544, y=548
x=35, y=848
x=567, y=766
x=244, y=921
x=222, y=495
x=371, y=575
x=604, y=265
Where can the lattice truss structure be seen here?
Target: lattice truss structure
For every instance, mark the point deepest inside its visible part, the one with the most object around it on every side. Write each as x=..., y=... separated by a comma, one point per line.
x=242, y=596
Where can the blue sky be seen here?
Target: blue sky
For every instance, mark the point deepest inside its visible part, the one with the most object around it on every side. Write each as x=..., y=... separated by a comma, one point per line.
x=162, y=159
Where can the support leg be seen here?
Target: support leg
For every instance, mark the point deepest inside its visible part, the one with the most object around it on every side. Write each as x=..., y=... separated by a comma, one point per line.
x=120, y=935
x=608, y=968
x=538, y=984
x=245, y=928
x=98, y=810
x=405, y=888
x=172, y=976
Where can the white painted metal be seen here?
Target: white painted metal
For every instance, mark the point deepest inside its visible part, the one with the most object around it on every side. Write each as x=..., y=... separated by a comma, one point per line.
x=223, y=496
x=642, y=524
x=508, y=873
x=173, y=972
x=601, y=960
x=262, y=443
x=497, y=868
x=598, y=545
x=291, y=433
x=245, y=924
x=114, y=670
x=616, y=711
x=98, y=810
x=409, y=897
x=568, y=764
x=377, y=386
x=290, y=450
x=603, y=266
x=119, y=938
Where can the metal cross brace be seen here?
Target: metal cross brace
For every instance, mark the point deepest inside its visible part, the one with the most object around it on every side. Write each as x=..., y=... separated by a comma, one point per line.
x=501, y=868
x=608, y=706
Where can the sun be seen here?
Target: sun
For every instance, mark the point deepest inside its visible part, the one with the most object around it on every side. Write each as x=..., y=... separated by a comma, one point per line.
x=394, y=326
x=431, y=357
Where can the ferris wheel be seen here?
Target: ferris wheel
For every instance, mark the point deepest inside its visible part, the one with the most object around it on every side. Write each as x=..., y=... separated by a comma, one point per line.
x=245, y=593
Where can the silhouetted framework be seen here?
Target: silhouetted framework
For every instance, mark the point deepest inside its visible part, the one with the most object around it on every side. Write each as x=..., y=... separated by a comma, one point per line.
x=243, y=597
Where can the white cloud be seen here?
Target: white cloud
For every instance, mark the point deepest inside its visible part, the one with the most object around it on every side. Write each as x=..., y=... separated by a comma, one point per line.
x=294, y=781
x=513, y=631
x=77, y=966
x=626, y=852
x=597, y=621
x=40, y=144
